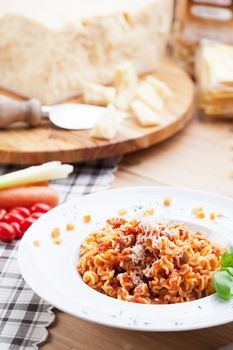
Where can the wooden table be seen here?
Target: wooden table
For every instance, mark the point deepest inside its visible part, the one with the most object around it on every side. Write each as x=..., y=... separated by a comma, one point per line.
x=199, y=157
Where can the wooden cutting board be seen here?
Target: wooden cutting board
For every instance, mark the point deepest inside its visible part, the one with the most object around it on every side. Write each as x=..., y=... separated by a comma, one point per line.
x=45, y=143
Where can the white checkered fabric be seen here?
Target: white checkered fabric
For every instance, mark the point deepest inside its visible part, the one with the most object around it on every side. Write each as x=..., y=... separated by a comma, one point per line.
x=23, y=315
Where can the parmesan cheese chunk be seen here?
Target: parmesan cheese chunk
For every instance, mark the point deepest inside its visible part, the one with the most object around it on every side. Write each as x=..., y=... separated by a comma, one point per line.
x=50, y=48
x=148, y=95
x=126, y=83
x=97, y=94
x=107, y=125
x=144, y=114
x=161, y=87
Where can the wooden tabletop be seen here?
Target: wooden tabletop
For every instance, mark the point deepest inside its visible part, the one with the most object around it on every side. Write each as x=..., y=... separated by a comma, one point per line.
x=199, y=157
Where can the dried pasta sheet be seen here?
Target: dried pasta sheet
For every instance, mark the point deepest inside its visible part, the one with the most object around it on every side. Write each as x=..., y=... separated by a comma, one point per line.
x=214, y=71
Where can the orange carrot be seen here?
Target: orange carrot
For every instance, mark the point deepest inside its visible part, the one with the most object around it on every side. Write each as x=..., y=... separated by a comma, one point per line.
x=28, y=196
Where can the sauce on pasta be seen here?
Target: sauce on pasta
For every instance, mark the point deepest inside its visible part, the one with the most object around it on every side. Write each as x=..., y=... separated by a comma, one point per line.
x=149, y=262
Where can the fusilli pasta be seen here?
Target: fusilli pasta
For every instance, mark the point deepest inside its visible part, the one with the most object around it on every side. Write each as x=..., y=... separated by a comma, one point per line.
x=150, y=263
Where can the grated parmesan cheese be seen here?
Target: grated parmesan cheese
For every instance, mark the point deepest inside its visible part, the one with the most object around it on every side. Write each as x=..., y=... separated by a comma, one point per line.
x=136, y=279
x=138, y=253
x=147, y=270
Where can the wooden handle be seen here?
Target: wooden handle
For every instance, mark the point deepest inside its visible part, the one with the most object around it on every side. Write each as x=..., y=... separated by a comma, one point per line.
x=12, y=111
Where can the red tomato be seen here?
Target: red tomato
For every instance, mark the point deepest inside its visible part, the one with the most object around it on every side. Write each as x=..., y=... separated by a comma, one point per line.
x=40, y=208
x=7, y=233
x=2, y=213
x=36, y=215
x=13, y=217
x=17, y=229
x=26, y=223
x=25, y=212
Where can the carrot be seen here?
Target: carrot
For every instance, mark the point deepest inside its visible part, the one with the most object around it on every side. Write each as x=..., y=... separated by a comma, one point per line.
x=41, y=183
x=28, y=196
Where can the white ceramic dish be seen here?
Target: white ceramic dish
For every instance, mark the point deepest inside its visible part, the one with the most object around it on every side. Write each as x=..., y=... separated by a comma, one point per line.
x=50, y=270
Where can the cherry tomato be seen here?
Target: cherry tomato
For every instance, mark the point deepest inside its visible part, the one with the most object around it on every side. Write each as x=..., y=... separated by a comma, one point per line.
x=25, y=212
x=17, y=229
x=7, y=233
x=26, y=223
x=13, y=217
x=40, y=208
x=36, y=215
x=2, y=213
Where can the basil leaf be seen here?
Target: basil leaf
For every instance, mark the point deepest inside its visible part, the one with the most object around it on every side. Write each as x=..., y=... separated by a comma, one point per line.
x=230, y=270
x=223, y=283
x=227, y=259
x=231, y=249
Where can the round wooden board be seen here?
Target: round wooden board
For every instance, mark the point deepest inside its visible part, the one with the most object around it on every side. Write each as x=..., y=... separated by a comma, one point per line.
x=46, y=143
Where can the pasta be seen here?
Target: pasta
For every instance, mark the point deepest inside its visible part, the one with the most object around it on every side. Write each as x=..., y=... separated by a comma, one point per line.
x=149, y=262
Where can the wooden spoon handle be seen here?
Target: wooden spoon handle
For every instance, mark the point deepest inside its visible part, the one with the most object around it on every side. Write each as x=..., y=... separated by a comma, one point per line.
x=12, y=111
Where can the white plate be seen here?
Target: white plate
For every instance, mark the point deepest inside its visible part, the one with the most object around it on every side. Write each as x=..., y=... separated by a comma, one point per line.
x=50, y=270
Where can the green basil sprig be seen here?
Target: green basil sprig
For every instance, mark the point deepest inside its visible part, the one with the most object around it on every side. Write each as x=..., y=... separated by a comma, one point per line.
x=223, y=279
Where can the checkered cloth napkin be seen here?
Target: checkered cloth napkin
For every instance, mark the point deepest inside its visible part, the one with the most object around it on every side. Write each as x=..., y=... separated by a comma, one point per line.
x=23, y=315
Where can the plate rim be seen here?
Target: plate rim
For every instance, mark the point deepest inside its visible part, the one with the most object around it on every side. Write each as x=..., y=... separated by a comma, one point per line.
x=125, y=326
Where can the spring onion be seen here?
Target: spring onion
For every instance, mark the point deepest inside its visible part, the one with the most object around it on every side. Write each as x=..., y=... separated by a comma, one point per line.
x=38, y=173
